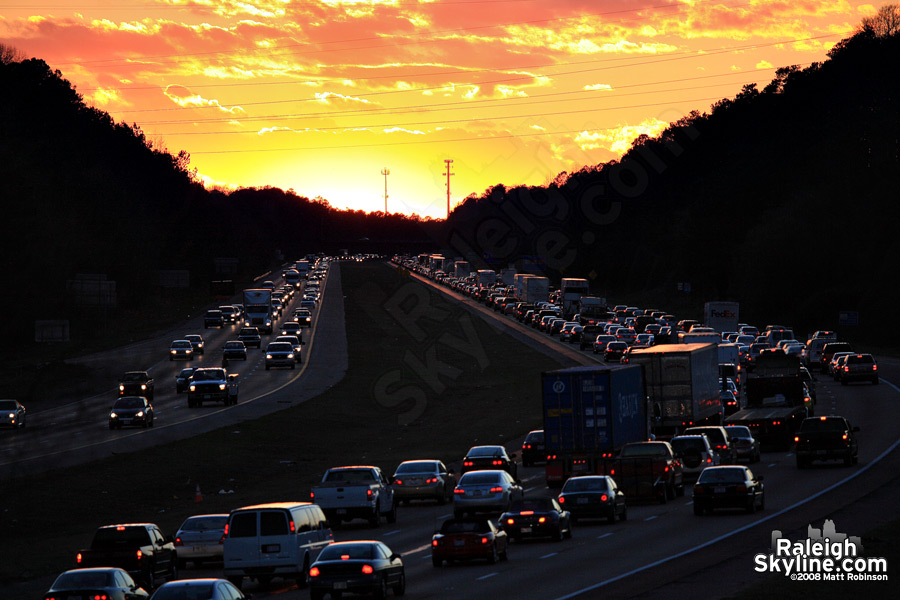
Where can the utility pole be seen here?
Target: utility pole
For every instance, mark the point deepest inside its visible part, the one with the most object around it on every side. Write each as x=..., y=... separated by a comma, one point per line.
x=447, y=161
x=385, y=172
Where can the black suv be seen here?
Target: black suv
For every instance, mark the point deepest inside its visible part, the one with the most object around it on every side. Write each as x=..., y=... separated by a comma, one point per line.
x=858, y=367
x=213, y=318
x=533, y=449
x=826, y=438
x=250, y=336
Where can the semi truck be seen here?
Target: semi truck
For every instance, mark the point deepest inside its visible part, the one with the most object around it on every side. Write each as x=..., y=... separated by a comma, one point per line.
x=682, y=383
x=722, y=316
x=462, y=269
x=258, y=309
x=302, y=267
x=537, y=289
x=519, y=284
x=593, y=310
x=486, y=277
x=508, y=277
x=571, y=290
x=777, y=401
x=589, y=414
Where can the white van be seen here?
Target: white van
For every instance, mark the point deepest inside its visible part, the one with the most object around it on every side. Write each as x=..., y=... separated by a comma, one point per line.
x=280, y=539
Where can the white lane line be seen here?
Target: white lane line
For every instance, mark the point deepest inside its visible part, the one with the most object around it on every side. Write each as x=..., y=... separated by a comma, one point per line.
x=417, y=550
x=489, y=575
x=447, y=516
x=548, y=555
x=651, y=518
x=600, y=537
x=772, y=465
x=394, y=532
x=531, y=489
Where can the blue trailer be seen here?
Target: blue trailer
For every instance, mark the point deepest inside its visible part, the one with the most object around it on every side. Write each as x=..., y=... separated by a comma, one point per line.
x=589, y=414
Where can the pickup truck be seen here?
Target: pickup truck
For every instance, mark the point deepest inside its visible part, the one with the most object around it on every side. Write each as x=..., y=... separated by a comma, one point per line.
x=212, y=384
x=139, y=548
x=648, y=470
x=826, y=438
x=136, y=383
x=358, y=492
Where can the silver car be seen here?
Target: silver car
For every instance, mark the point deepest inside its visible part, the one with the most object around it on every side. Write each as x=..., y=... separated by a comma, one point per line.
x=200, y=538
x=423, y=480
x=695, y=452
x=208, y=589
x=745, y=444
x=485, y=491
x=106, y=582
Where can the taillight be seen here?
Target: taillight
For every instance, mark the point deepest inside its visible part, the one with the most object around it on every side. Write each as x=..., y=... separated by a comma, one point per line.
x=291, y=526
x=78, y=558
x=140, y=554
x=846, y=369
x=542, y=519
x=468, y=463
x=796, y=439
x=369, y=493
x=312, y=496
x=510, y=521
x=844, y=437
x=561, y=500
x=226, y=530
x=459, y=491
x=398, y=482
x=495, y=490
x=604, y=498
x=178, y=542
x=367, y=569
x=484, y=540
x=527, y=512
x=874, y=367
x=434, y=542
x=314, y=572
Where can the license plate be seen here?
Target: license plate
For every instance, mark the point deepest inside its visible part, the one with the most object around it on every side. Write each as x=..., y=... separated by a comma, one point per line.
x=199, y=548
x=477, y=493
x=342, y=511
x=340, y=585
x=126, y=421
x=821, y=451
x=719, y=490
x=581, y=501
x=526, y=530
x=206, y=396
x=459, y=542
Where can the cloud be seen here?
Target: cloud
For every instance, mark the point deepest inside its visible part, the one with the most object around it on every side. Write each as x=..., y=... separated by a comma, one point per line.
x=402, y=130
x=597, y=86
x=335, y=98
x=619, y=139
x=763, y=64
x=186, y=99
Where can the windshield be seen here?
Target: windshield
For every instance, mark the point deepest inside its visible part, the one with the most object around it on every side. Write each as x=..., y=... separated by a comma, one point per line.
x=645, y=450
x=279, y=347
x=360, y=475
x=586, y=484
x=134, y=377
x=823, y=425
x=722, y=475
x=349, y=550
x=464, y=527
x=129, y=402
x=185, y=591
x=205, y=523
x=422, y=466
x=485, y=451
x=83, y=579
x=481, y=478
x=682, y=444
x=539, y=504
x=178, y=344
x=234, y=345
x=8, y=405
x=209, y=374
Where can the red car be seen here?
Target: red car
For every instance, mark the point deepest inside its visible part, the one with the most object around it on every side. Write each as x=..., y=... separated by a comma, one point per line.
x=465, y=539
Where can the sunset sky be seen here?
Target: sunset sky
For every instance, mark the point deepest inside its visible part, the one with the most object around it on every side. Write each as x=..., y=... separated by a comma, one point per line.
x=319, y=95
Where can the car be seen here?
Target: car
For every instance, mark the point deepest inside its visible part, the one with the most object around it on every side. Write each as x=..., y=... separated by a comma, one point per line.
x=308, y=304
x=12, y=414
x=485, y=491
x=230, y=313
x=829, y=350
x=626, y=334
x=600, y=342
x=234, y=350
x=212, y=384
x=593, y=496
x=200, y=538
x=555, y=326
x=614, y=351
x=718, y=439
x=533, y=449
x=536, y=517
x=730, y=403
x=136, y=383
x=291, y=328
x=303, y=317
x=829, y=437
x=295, y=343
x=191, y=589
x=250, y=336
x=131, y=410
x=365, y=566
x=567, y=332
x=183, y=379
x=468, y=539
x=181, y=350
x=109, y=583
x=280, y=354
x=745, y=445
x=837, y=363
x=729, y=486
x=489, y=457
x=197, y=342
x=858, y=367
x=695, y=452
x=213, y=318
x=423, y=480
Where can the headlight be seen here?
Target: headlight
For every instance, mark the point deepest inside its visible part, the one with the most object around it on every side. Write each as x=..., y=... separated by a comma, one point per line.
x=268, y=357
x=121, y=388
x=222, y=386
x=193, y=388
x=143, y=386
x=12, y=415
x=113, y=415
x=174, y=351
x=139, y=414
x=291, y=355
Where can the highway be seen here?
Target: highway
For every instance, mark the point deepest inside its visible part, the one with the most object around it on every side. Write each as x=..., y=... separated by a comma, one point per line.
x=658, y=546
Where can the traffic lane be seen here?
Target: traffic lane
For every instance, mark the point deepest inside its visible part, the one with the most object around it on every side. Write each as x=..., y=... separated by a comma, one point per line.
x=79, y=431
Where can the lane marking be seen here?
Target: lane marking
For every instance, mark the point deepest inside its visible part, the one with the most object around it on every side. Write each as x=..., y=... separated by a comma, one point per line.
x=600, y=537
x=773, y=465
x=394, y=532
x=650, y=518
x=489, y=575
x=548, y=555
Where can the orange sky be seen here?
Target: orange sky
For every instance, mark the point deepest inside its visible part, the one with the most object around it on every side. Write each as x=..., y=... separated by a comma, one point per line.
x=319, y=96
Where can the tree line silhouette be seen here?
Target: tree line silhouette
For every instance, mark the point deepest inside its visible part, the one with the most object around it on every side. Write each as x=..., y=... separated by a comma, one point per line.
x=783, y=198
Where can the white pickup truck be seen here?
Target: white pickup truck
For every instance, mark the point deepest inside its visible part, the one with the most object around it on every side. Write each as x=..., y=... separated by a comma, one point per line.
x=359, y=492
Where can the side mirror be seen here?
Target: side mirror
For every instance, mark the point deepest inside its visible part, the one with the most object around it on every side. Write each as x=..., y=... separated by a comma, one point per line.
x=395, y=556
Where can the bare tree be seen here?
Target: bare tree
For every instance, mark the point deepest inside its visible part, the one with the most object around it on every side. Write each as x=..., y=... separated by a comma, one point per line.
x=10, y=54
x=885, y=23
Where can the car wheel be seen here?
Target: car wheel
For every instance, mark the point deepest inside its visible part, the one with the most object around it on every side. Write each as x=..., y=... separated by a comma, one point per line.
x=152, y=420
x=182, y=564
x=801, y=463
x=874, y=381
x=679, y=489
x=373, y=519
x=381, y=590
x=756, y=457
x=751, y=506
x=173, y=571
x=436, y=562
x=267, y=367
x=559, y=535
x=316, y=594
x=762, y=501
x=843, y=382
x=612, y=517
x=264, y=581
x=293, y=365
x=400, y=587
x=303, y=579
x=459, y=514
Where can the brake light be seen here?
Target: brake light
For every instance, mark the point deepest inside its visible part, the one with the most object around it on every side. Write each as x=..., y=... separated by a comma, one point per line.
x=120, y=528
x=367, y=569
x=612, y=471
x=140, y=555
x=846, y=369
x=468, y=463
x=527, y=512
x=510, y=521
x=542, y=519
x=178, y=542
x=226, y=530
x=459, y=491
x=844, y=437
x=822, y=418
x=495, y=490
x=398, y=482
x=526, y=446
x=78, y=558
x=369, y=493
x=484, y=540
x=291, y=526
x=314, y=572
x=604, y=498
x=345, y=557
x=562, y=500
x=796, y=439
x=874, y=367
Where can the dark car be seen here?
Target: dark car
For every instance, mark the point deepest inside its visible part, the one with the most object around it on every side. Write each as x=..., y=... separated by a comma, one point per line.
x=183, y=379
x=536, y=517
x=12, y=414
x=489, y=457
x=467, y=539
x=593, y=496
x=196, y=589
x=368, y=567
x=826, y=438
x=230, y=313
x=720, y=440
x=423, y=480
x=728, y=487
x=136, y=383
x=181, y=350
x=533, y=449
x=213, y=318
x=830, y=349
x=858, y=367
x=589, y=333
x=303, y=317
x=730, y=403
x=615, y=351
x=280, y=354
x=250, y=336
x=131, y=410
x=109, y=583
x=234, y=350
x=745, y=445
x=197, y=342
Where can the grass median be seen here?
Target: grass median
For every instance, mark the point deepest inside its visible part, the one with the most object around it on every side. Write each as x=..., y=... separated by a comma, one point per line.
x=425, y=379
